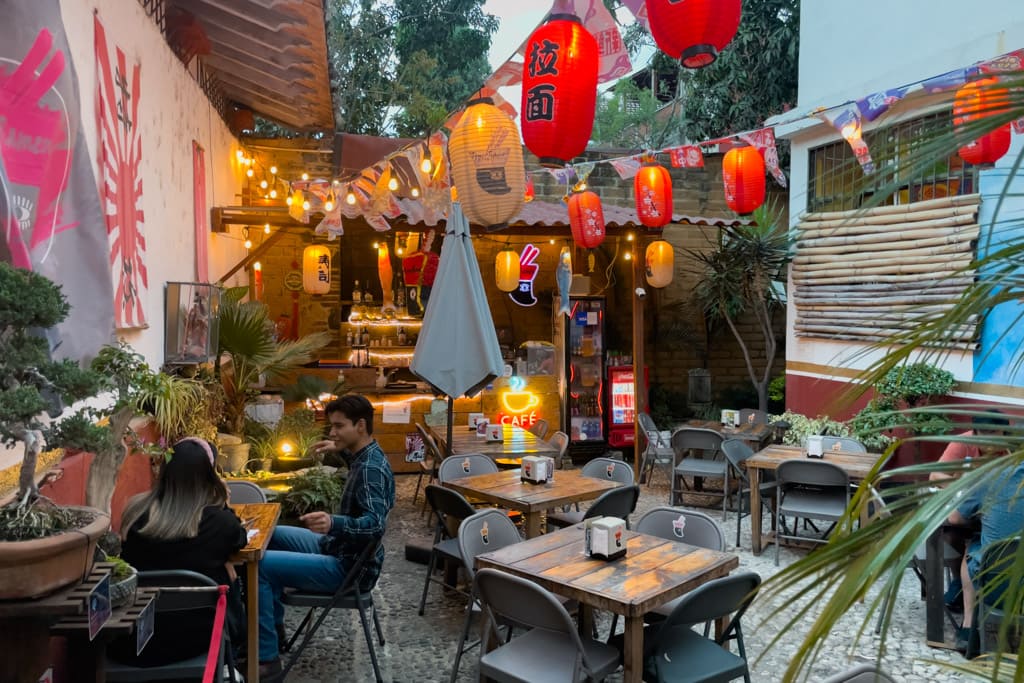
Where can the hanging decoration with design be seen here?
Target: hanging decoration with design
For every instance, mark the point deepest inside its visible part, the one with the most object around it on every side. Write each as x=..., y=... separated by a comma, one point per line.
x=693, y=31
x=659, y=263
x=743, y=177
x=506, y=270
x=316, y=269
x=976, y=101
x=586, y=219
x=652, y=186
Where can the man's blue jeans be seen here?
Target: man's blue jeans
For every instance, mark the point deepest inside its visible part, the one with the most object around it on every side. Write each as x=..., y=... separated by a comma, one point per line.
x=293, y=560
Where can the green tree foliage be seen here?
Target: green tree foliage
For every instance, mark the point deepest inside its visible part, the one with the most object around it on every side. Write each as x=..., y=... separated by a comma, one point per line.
x=632, y=117
x=360, y=53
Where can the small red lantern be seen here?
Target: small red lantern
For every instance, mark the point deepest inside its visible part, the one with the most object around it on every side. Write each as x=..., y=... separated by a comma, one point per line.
x=586, y=218
x=693, y=31
x=743, y=177
x=652, y=186
x=976, y=101
x=559, y=90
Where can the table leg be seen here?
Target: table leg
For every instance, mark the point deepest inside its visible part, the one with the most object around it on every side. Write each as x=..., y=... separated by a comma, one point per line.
x=532, y=523
x=933, y=610
x=755, y=509
x=633, y=650
x=252, y=619
x=586, y=621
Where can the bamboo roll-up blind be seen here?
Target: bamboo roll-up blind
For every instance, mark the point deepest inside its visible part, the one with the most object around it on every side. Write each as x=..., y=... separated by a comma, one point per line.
x=861, y=275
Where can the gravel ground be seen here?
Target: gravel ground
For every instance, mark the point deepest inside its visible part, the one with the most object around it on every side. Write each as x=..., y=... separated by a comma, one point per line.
x=421, y=649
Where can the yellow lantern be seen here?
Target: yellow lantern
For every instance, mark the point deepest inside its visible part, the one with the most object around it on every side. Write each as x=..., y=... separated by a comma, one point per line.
x=316, y=269
x=506, y=270
x=660, y=263
x=487, y=165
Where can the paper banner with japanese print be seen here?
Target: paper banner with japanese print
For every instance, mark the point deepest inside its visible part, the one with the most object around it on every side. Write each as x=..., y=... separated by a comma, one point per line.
x=614, y=62
x=846, y=120
x=686, y=156
x=949, y=80
x=382, y=201
x=639, y=10
x=331, y=224
x=626, y=168
x=562, y=175
x=876, y=104
x=377, y=222
x=509, y=73
x=1011, y=61
x=764, y=141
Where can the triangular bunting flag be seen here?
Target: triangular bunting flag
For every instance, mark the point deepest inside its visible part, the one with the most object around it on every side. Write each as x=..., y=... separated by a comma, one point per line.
x=686, y=156
x=764, y=141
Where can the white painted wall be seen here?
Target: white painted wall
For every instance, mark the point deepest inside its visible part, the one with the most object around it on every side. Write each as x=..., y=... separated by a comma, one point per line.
x=173, y=112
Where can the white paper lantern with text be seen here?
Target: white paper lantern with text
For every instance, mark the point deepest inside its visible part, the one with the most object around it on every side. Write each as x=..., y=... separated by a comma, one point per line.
x=660, y=263
x=316, y=269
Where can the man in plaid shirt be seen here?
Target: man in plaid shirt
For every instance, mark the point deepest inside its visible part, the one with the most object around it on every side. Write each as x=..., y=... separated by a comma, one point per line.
x=318, y=557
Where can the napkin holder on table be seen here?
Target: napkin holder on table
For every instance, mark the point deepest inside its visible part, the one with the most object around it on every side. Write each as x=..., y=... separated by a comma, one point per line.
x=536, y=469
x=607, y=538
x=815, y=447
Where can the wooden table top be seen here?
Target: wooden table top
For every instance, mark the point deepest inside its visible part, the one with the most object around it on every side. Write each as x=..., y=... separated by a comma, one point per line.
x=653, y=571
x=507, y=490
x=857, y=465
x=264, y=516
x=517, y=442
x=747, y=431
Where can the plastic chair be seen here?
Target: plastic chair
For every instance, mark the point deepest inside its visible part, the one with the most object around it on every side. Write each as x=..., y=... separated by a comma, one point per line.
x=245, y=492
x=842, y=443
x=809, y=489
x=429, y=464
x=736, y=453
x=704, y=440
x=863, y=673
x=993, y=603
x=539, y=428
x=753, y=416
x=677, y=653
x=658, y=451
x=449, y=507
x=468, y=465
x=620, y=502
x=182, y=594
x=598, y=468
x=349, y=595
x=560, y=440
x=552, y=650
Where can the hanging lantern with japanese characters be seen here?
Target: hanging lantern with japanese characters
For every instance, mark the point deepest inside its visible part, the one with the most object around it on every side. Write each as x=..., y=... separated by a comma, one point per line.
x=743, y=178
x=506, y=270
x=586, y=219
x=559, y=90
x=974, y=102
x=487, y=165
x=659, y=263
x=652, y=186
x=316, y=269
x=694, y=31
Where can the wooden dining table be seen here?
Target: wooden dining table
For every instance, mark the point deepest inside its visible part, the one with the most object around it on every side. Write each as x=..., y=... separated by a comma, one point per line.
x=653, y=572
x=856, y=465
x=505, y=489
x=261, y=518
x=754, y=434
x=516, y=442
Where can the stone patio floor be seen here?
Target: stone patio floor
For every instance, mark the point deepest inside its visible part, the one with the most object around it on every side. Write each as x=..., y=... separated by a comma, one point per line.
x=421, y=649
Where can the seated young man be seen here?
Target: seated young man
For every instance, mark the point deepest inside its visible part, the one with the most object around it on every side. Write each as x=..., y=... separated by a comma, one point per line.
x=317, y=558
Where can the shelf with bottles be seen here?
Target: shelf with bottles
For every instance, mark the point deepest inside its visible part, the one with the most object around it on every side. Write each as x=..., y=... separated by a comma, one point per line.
x=585, y=404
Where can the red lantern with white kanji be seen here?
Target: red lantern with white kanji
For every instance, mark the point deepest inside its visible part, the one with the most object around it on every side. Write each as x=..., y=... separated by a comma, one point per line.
x=743, y=177
x=559, y=90
x=586, y=218
x=976, y=101
x=693, y=31
x=652, y=186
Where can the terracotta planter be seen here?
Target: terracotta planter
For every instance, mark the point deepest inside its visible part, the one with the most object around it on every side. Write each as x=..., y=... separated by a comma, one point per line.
x=32, y=569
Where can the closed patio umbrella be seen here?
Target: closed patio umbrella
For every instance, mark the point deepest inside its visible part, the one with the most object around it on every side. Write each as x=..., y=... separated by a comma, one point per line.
x=457, y=351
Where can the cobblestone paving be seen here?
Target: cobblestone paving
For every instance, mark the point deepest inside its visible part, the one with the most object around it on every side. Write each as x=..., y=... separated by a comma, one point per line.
x=421, y=649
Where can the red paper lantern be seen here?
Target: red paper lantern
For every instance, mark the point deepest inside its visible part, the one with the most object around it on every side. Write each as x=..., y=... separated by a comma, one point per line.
x=586, y=218
x=693, y=31
x=652, y=186
x=976, y=101
x=559, y=90
x=743, y=176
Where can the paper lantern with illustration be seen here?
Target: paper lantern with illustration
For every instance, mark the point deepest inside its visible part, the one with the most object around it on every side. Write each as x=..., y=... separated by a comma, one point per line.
x=974, y=102
x=743, y=177
x=586, y=219
x=559, y=90
x=694, y=31
x=487, y=165
x=506, y=270
x=316, y=269
x=652, y=186
x=660, y=263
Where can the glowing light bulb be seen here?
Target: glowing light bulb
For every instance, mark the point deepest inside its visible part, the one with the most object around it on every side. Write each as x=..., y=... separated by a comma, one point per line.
x=305, y=205
x=266, y=229
x=286, y=448
x=551, y=241
x=248, y=162
x=248, y=244
x=376, y=245
x=257, y=265
x=393, y=184
x=335, y=182
x=249, y=173
x=328, y=205
x=399, y=250
x=288, y=200
x=629, y=237
x=273, y=170
x=350, y=198
x=415, y=192
x=627, y=256
x=239, y=154
x=426, y=166
x=305, y=176
x=273, y=194
x=263, y=184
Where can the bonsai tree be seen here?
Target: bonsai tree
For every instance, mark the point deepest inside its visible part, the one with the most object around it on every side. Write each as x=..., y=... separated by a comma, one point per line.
x=31, y=383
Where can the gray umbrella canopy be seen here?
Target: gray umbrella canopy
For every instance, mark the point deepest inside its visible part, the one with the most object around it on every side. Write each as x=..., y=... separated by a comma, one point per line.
x=457, y=351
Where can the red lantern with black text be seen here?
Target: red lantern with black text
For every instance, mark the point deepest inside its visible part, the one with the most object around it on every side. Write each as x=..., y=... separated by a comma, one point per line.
x=693, y=31
x=743, y=177
x=976, y=101
x=586, y=218
x=559, y=90
x=652, y=186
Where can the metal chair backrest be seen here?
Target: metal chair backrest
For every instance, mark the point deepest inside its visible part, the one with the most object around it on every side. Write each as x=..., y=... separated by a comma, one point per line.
x=246, y=492
x=539, y=428
x=560, y=440
x=730, y=595
x=736, y=452
x=620, y=502
x=459, y=466
x=606, y=468
x=997, y=563
x=684, y=526
x=483, y=532
x=811, y=473
x=842, y=443
x=447, y=503
x=753, y=416
x=696, y=438
x=181, y=590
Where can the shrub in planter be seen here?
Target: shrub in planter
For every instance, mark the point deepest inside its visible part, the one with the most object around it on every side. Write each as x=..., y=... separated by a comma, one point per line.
x=318, y=488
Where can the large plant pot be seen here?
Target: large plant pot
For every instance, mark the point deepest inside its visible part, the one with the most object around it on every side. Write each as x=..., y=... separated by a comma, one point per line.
x=292, y=463
x=32, y=569
x=233, y=453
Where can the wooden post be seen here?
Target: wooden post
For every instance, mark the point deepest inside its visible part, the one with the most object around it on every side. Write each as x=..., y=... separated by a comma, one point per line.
x=639, y=393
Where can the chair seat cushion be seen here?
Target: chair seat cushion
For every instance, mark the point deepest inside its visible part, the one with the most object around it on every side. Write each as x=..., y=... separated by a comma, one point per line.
x=814, y=504
x=538, y=656
x=449, y=548
x=564, y=519
x=691, y=657
x=698, y=467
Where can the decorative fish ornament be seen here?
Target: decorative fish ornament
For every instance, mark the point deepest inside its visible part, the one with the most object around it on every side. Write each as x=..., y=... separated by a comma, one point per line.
x=563, y=276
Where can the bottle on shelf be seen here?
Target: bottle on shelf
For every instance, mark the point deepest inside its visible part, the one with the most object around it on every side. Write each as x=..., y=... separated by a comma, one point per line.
x=366, y=336
x=357, y=294
x=402, y=339
x=348, y=338
x=367, y=296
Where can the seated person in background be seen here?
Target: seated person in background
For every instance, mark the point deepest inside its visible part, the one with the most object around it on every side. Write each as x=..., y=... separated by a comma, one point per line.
x=318, y=557
x=999, y=502
x=184, y=523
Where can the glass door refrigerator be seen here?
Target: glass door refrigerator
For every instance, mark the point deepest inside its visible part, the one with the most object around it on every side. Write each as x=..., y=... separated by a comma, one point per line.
x=622, y=403
x=580, y=338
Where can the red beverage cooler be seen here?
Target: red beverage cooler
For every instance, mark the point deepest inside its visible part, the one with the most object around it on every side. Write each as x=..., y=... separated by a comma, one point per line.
x=622, y=405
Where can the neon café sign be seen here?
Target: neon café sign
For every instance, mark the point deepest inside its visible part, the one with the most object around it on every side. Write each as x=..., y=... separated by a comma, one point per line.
x=518, y=405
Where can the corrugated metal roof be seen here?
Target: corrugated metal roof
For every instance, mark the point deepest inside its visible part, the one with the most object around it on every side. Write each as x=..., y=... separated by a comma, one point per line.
x=269, y=55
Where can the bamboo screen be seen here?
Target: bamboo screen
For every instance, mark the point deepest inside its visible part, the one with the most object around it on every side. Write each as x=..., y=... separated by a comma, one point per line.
x=862, y=275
